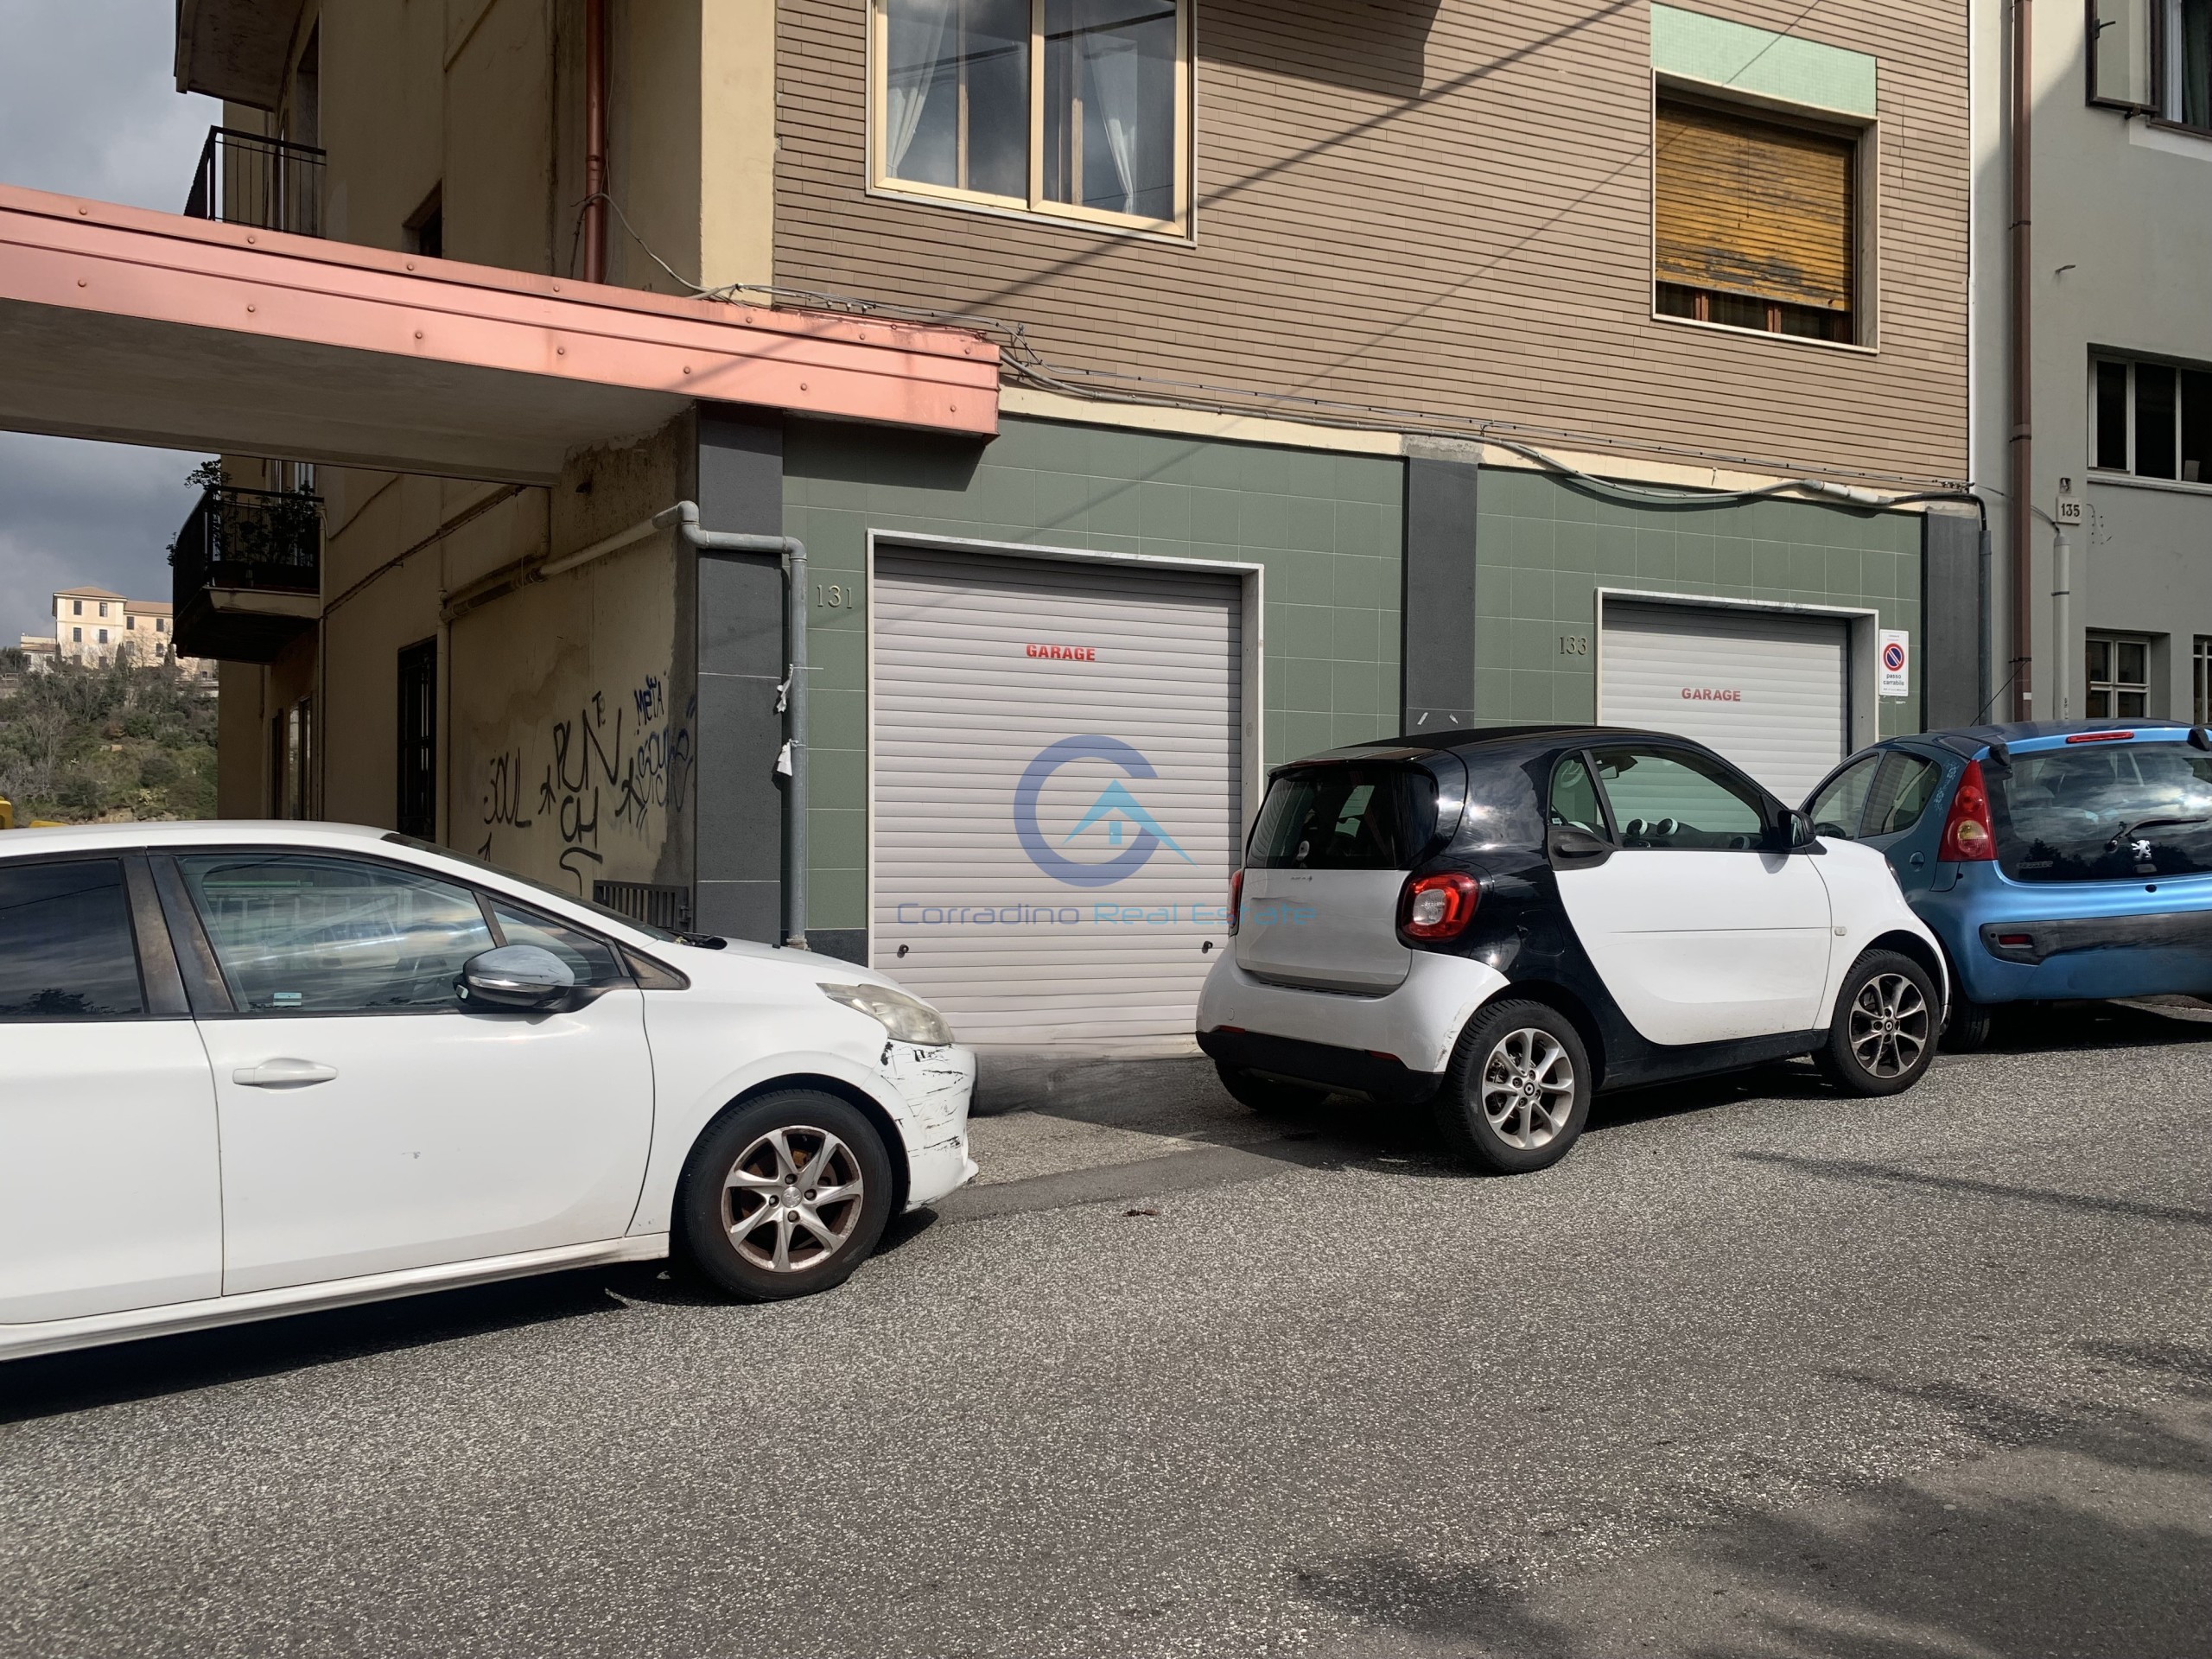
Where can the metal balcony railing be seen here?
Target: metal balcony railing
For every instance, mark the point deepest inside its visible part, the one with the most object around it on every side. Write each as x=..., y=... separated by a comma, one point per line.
x=244, y=179
x=245, y=572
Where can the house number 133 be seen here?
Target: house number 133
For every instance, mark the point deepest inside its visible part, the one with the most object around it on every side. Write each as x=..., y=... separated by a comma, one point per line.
x=1574, y=645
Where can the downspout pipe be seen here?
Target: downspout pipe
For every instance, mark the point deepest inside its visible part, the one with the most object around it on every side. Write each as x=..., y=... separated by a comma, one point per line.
x=2020, y=448
x=594, y=141
x=684, y=518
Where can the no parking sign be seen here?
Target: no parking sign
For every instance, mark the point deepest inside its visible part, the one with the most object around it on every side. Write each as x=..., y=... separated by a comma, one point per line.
x=1896, y=662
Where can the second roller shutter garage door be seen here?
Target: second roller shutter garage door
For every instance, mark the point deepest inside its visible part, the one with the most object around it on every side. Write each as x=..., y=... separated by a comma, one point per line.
x=1058, y=791
x=1767, y=688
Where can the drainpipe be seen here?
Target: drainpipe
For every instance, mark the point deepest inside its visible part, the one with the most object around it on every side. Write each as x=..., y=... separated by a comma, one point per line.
x=791, y=700
x=2021, y=451
x=684, y=515
x=594, y=141
x=2061, y=626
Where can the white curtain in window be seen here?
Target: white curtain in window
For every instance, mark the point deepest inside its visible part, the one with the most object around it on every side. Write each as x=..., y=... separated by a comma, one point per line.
x=1112, y=66
x=915, y=29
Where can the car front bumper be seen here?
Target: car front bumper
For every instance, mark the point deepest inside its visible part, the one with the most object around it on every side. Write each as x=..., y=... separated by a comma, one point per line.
x=937, y=1085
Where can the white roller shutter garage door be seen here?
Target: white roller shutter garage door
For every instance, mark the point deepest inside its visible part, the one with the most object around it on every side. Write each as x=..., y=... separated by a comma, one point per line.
x=1057, y=797
x=1769, y=689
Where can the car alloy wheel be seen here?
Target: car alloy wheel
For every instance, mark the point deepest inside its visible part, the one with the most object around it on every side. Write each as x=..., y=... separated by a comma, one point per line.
x=784, y=1194
x=1527, y=1089
x=1882, y=1037
x=1891, y=1025
x=1517, y=1091
x=793, y=1198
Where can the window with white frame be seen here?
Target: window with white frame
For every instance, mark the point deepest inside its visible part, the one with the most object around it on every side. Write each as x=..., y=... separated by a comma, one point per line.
x=1068, y=108
x=2200, y=674
x=2118, y=678
x=2152, y=420
x=2154, y=57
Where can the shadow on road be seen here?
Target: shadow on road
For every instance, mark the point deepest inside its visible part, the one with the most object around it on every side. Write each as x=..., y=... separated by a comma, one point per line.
x=2070, y=1535
x=1847, y=1169
x=153, y=1366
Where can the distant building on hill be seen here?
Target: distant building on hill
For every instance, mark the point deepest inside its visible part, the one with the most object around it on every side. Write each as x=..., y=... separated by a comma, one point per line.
x=93, y=627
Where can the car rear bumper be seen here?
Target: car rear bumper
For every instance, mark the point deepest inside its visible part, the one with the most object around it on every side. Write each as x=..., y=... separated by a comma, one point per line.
x=2010, y=942
x=1405, y=1035
x=1347, y=1071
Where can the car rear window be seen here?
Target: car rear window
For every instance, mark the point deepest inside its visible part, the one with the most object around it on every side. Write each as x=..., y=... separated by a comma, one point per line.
x=66, y=948
x=2103, y=812
x=1345, y=817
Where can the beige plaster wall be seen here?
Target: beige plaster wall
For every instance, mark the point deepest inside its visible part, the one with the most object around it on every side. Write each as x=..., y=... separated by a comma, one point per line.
x=499, y=121
x=570, y=738
x=737, y=142
x=653, y=140
x=383, y=94
x=239, y=741
x=565, y=744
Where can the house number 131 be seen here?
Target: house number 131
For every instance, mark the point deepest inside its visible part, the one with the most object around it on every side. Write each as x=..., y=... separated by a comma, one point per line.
x=834, y=597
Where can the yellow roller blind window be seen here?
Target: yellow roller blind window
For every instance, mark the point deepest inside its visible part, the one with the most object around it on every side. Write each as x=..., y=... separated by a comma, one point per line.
x=1752, y=207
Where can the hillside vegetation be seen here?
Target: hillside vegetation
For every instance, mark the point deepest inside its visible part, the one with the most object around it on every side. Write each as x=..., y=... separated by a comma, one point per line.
x=79, y=744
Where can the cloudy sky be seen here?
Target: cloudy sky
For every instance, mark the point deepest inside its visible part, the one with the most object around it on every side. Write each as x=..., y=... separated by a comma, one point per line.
x=88, y=106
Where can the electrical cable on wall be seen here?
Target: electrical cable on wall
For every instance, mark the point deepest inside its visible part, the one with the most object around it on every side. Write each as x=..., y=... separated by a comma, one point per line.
x=1024, y=362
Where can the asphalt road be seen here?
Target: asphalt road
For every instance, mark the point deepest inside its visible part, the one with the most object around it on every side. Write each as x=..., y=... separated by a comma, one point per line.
x=1758, y=1370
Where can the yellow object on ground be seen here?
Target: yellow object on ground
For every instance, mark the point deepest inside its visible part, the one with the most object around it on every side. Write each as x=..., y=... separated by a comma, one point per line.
x=7, y=813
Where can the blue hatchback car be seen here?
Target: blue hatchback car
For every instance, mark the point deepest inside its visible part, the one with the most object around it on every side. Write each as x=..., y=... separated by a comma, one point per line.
x=2055, y=860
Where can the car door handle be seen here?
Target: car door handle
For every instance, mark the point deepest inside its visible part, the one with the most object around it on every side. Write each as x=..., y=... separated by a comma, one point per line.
x=283, y=1074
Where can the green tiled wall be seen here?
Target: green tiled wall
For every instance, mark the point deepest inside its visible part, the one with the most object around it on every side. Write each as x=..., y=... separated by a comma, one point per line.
x=1325, y=529
x=1544, y=548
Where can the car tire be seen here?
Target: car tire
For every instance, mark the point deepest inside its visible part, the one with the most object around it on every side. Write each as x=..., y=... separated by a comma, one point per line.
x=1517, y=1091
x=1883, y=1037
x=1269, y=1097
x=746, y=1222
x=1969, y=1028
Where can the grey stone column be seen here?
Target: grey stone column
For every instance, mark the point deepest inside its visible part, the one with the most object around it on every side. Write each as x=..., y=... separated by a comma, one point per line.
x=1442, y=483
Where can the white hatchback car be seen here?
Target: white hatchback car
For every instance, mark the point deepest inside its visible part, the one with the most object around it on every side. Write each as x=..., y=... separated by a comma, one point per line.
x=251, y=1069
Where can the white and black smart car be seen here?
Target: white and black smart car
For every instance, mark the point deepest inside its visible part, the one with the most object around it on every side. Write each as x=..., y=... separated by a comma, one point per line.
x=1505, y=922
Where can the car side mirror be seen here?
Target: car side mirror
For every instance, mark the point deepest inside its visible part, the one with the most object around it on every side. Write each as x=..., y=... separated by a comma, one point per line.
x=515, y=976
x=1571, y=848
x=1796, y=834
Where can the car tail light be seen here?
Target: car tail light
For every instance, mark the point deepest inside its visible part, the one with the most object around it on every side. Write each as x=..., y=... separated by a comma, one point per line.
x=1236, y=899
x=1968, y=837
x=2100, y=737
x=1438, y=906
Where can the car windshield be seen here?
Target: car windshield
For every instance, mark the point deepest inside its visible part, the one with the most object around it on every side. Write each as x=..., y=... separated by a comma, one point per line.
x=1345, y=817
x=592, y=904
x=2103, y=812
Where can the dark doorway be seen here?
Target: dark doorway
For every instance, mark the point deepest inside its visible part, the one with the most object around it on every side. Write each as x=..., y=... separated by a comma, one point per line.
x=418, y=740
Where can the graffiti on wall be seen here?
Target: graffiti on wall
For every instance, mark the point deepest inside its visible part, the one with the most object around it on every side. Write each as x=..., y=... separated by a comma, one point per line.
x=621, y=765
